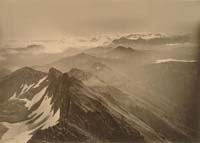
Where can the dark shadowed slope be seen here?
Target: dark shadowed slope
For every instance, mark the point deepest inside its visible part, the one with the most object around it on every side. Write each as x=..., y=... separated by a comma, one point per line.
x=129, y=102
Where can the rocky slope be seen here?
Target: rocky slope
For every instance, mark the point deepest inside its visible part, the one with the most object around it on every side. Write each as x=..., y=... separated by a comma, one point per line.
x=58, y=108
x=78, y=106
x=83, y=116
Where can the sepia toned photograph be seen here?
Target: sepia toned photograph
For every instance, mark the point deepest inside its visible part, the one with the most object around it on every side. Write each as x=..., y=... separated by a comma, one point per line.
x=99, y=71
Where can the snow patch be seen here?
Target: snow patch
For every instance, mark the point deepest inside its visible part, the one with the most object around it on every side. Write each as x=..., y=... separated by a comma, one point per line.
x=45, y=113
x=14, y=97
x=146, y=36
x=52, y=120
x=36, y=98
x=39, y=82
x=174, y=60
x=25, y=88
x=18, y=132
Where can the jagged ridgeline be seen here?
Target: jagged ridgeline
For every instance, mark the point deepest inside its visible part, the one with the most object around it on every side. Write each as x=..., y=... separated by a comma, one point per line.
x=60, y=108
x=78, y=106
x=83, y=116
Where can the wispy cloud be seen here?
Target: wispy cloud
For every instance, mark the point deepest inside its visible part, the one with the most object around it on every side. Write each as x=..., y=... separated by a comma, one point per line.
x=30, y=49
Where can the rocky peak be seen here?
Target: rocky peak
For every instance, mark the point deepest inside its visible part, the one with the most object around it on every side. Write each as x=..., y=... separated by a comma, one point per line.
x=81, y=110
x=54, y=73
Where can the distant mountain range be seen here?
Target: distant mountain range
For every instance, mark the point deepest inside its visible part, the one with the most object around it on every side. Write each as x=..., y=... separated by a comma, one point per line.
x=153, y=39
x=16, y=54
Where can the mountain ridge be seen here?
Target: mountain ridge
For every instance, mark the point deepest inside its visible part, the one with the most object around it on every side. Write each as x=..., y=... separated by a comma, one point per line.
x=83, y=110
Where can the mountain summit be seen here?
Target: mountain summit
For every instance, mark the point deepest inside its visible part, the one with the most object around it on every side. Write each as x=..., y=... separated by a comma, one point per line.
x=83, y=115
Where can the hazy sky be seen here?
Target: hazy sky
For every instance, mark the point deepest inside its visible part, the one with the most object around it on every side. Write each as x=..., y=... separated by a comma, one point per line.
x=50, y=19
